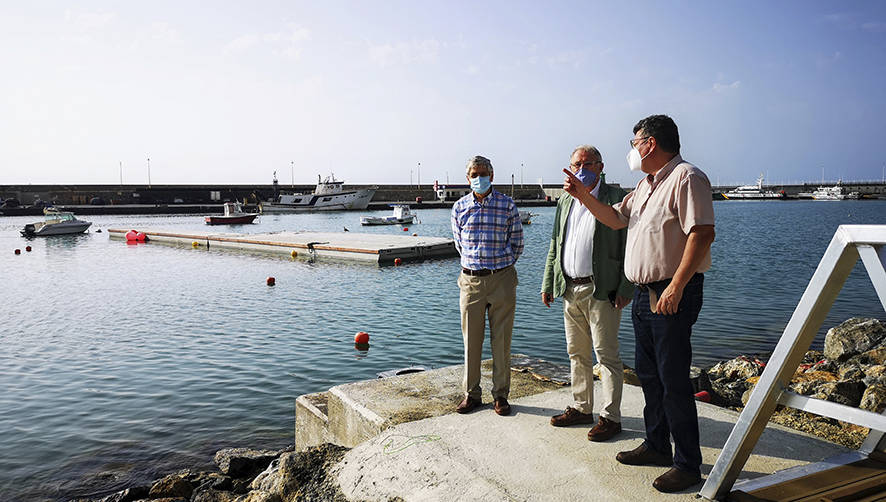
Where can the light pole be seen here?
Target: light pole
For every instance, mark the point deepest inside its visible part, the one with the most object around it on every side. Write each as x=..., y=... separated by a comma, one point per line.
x=149, y=172
x=121, y=172
x=419, y=175
x=292, y=172
x=521, y=175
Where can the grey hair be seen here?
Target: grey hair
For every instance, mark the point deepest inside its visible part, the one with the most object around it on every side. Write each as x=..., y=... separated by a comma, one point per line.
x=479, y=161
x=590, y=150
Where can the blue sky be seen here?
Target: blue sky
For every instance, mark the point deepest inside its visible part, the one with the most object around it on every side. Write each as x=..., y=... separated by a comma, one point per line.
x=228, y=92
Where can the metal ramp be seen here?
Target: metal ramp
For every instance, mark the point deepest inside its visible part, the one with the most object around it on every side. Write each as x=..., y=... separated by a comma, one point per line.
x=850, y=243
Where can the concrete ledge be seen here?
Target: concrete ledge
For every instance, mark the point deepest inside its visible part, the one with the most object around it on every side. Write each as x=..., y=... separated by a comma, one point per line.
x=312, y=421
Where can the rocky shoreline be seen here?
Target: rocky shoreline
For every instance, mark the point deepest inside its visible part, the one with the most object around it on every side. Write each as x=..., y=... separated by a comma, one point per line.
x=851, y=370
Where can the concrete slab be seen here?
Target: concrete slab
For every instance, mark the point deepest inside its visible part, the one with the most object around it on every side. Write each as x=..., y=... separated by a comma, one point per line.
x=482, y=456
x=318, y=246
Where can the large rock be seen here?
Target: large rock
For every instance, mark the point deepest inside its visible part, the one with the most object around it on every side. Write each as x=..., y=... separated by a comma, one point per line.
x=729, y=391
x=128, y=495
x=874, y=398
x=243, y=462
x=295, y=474
x=844, y=392
x=874, y=356
x=172, y=486
x=212, y=495
x=852, y=337
x=741, y=367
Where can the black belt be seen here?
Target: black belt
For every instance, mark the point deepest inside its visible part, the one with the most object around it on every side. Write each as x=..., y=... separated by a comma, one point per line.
x=659, y=286
x=580, y=280
x=484, y=271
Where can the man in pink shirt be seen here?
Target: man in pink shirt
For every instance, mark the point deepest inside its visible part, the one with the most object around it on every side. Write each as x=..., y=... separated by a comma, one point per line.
x=670, y=220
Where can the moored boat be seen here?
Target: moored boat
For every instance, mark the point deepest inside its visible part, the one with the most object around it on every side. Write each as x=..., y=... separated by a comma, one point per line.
x=327, y=196
x=234, y=215
x=753, y=192
x=402, y=215
x=56, y=223
x=526, y=217
x=836, y=192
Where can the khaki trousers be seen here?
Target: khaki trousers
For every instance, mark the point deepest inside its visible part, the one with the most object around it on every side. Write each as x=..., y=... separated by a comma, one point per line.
x=497, y=294
x=593, y=324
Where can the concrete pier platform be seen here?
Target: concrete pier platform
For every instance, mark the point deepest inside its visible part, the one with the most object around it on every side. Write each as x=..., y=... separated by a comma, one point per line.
x=482, y=456
x=316, y=246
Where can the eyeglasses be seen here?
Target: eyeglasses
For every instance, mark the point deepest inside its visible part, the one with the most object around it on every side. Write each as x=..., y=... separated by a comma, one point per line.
x=638, y=141
x=584, y=164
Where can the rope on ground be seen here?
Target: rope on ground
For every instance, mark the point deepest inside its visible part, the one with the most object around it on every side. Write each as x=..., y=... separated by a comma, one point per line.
x=395, y=443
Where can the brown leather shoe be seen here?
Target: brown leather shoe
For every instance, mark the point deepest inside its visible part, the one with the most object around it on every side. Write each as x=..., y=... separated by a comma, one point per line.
x=467, y=405
x=643, y=455
x=604, y=430
x=502, y=407
x=571, y=417
x=675, y=480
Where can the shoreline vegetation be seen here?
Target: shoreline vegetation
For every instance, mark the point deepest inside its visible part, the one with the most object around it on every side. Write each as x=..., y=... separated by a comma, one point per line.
x=851, y=370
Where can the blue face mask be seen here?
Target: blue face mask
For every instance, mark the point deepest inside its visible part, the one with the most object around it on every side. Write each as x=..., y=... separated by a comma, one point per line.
x=480, y=184
x=586, y=176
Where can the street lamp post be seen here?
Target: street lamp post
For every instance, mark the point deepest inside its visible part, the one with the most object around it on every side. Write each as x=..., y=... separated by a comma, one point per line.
x=149, y=172
x=121, y=172
x=419, y=175
x=292, y=172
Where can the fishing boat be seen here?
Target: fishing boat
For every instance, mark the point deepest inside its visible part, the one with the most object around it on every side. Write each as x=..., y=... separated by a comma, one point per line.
x=56, y=223
x=327, y=196
x=402, y=215
x=234, y=215
x=526, y=217
x=753, y=192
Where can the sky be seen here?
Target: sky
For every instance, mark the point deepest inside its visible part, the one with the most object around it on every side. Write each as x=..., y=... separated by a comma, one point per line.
x=407, y=91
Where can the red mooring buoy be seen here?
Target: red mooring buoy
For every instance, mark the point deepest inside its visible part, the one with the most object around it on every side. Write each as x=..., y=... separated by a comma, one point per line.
x=28, y=248
x=271, y=281
x=141, y=237
x=361, y=338
x=397, y=261
x=703, y=396
x=405, y=229
x=131, y=235
x=18, y=251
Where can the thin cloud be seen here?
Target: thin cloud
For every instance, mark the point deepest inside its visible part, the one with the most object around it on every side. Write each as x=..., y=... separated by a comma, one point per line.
x=289, y=43
x=405, y=53
x=87, y=21
x=723, y=88
x=874, y=26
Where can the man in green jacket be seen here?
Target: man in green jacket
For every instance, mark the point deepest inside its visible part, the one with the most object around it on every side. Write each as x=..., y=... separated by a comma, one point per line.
x=585, y=265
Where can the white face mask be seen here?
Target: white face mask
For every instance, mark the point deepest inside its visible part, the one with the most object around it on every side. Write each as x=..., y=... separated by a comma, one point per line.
x=635, y=162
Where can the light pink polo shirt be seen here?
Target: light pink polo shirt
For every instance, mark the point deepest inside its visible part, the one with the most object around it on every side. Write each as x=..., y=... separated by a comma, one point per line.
x=659, y=213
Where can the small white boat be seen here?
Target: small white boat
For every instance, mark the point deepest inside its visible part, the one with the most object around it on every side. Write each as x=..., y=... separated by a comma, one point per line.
x=401, y=216
x=753, y=192
x=327, y=196
x=233, y=215
x=526, y=217
x=56, y=223
x=835, y=192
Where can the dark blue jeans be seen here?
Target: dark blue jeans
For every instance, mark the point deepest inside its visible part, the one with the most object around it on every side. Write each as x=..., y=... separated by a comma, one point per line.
x=663, y=356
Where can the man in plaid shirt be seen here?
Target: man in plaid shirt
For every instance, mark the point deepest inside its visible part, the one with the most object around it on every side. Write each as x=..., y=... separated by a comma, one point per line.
x=489, y=237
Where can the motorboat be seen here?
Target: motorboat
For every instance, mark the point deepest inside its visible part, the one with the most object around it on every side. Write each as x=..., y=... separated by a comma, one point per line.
x=526, y=217
x=835, y=192
x=753, y=192
x=327, y=196
x=234, y=215
x=56, y=223
x=402, y=215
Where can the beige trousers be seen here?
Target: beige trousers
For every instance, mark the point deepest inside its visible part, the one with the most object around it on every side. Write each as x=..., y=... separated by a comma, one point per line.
x=497, y=294
x=593, y=324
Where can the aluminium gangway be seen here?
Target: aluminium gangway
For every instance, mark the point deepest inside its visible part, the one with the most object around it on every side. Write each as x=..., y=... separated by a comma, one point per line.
x=850, y=243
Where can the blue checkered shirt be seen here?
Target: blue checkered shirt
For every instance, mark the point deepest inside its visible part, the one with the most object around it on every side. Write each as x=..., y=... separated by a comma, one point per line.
x=488, y=235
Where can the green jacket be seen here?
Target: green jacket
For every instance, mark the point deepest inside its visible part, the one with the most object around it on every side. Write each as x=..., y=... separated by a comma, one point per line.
x=608, y=251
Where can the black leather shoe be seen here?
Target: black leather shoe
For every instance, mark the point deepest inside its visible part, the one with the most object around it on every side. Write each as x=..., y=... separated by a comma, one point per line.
x=676, y=480
x=644, y=455
x=502, y=407
x=467, y=405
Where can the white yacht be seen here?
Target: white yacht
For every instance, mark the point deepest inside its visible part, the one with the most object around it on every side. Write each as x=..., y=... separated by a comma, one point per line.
x=753, y=192
x=56, y=223
x=835, y=192
x=327, y=196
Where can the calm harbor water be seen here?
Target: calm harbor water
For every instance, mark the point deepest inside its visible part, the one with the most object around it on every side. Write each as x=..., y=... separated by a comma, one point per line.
x=123, y=362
